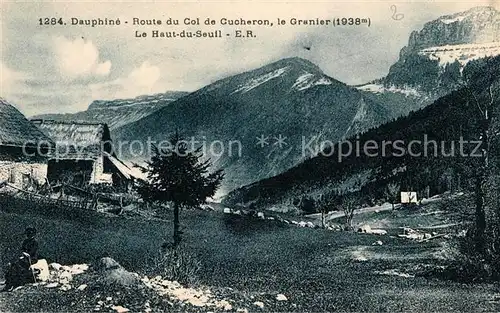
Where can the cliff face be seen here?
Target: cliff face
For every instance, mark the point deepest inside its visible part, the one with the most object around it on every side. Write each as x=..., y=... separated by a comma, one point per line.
x=435, y=55
x=478, y=25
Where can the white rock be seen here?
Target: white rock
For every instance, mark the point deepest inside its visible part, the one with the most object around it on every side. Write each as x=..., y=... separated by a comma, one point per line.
x=260, y=214
x=377, y=243
x=52, y=285
x=120, y=309
x=78, y=269
x=66, y=277
x=109, y=298
x=225, y=305
x=378, y=232
x=227, y=210
x=237, y=212
x=259, y=304
x=241, y=311
x=65, y=287
x=55, y=266
x=82, y=287
x=281, y=297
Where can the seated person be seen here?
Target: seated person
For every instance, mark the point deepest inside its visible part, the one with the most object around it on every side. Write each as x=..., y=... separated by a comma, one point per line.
x=19, y=272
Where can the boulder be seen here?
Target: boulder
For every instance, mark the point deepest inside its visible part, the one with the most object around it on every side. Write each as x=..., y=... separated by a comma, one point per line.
x=112, y=273
x=227, y=210
x=107, y=263
x=281, y=297
x=259, y=304
x=120, y=277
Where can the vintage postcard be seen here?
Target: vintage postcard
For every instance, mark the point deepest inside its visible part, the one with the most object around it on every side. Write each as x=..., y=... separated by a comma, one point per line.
x=249, y=156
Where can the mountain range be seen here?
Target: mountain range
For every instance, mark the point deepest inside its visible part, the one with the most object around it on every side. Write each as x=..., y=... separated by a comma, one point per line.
x=439, y=153
x=290, y=98
x=118, y=112
x=294, y=100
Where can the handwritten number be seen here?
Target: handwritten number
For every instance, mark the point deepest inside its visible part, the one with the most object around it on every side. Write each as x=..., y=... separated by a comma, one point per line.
x=395, y=15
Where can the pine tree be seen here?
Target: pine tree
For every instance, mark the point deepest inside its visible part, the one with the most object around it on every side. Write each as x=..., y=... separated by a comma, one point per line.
x=177, y=176
x=392, y=192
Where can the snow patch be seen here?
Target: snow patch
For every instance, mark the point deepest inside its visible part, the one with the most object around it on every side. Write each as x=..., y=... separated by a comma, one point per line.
x=303, y=81
x=394, y=273
x=323, y=81
x=453, y=20
x=462, y=53
x=309, y=80
x=377, y=88
x=256, y=82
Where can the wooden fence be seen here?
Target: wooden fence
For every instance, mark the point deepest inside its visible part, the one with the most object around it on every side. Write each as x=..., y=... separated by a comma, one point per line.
x=83, y=203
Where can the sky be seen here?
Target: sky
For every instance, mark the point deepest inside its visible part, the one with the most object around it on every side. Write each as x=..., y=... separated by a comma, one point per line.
x=62, y=69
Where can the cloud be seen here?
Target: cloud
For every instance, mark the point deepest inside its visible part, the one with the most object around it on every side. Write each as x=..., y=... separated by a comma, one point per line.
x=79, y=58
x=144, y=79
x=9, y=79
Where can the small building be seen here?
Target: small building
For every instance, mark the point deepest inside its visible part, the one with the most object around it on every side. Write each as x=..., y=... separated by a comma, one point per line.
x=84, y=155
x=24, y=149
x=409, y=197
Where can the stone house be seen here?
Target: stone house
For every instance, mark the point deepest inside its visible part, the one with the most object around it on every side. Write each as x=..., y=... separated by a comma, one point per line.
x=24, y=149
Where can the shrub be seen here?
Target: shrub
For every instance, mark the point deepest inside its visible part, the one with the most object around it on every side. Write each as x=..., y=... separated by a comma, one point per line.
x=463, y=263
x=176, y=264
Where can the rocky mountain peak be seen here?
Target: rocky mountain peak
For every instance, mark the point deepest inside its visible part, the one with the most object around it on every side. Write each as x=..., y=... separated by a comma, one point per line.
x=477, y=25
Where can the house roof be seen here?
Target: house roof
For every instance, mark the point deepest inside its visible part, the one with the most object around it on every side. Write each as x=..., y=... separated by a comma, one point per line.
x=129, y=172
x=17, y=130
x=76, y=139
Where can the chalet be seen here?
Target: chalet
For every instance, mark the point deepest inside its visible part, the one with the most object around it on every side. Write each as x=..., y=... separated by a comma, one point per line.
x=84, y=155
x=23, y=148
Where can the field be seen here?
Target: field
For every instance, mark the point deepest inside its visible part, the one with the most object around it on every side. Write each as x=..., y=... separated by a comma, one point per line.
x=318, y=270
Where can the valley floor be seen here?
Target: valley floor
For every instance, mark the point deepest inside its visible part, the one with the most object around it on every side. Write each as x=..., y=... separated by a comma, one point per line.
x=245, y=260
